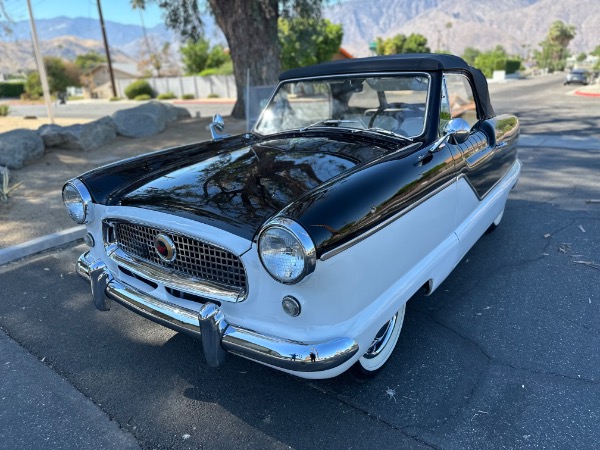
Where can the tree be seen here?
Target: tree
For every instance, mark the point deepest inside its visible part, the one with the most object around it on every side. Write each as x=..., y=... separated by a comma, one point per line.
x=195, y=55
x=306, y=41
x=61, y=75
x=581, y=57
x=217, y=57
x=199, y=56
x=160, y=64
x=497, y=59
x=89, y=60
x=470, y=54
x=250, y=27
x=415, y=43
x=553, y=53
x=596, y=51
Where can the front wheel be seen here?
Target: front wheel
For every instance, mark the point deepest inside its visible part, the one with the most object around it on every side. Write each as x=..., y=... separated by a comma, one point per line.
x=381, y=348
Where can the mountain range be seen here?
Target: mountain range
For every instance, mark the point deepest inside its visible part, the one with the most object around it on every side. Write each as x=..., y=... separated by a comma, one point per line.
x=451, y=25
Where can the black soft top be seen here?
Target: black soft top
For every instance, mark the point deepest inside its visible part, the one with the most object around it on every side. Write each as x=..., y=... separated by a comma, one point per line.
x=405, y=62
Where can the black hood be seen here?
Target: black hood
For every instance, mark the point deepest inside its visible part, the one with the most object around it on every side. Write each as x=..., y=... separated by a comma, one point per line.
x=240, y=189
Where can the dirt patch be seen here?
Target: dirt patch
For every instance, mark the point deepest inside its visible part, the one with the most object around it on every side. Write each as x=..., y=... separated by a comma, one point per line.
x=35, y=208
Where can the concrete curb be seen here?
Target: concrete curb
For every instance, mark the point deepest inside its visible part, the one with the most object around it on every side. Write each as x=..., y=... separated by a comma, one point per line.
x=587, y=94
x=34, y=246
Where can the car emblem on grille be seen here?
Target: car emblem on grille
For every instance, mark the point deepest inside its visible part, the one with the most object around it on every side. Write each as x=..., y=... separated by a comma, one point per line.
x=165, y=248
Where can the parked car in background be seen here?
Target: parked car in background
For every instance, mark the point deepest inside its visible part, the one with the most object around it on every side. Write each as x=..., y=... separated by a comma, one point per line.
x=297, y=245
x=581, y=76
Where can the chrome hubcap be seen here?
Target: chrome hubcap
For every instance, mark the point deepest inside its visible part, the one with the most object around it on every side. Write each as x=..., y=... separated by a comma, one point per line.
x=381, y=339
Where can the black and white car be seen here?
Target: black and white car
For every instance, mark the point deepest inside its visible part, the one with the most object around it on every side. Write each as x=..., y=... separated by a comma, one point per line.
x=297, y=245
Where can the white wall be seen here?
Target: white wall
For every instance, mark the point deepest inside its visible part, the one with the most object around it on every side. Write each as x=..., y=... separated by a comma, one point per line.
x=200, y=87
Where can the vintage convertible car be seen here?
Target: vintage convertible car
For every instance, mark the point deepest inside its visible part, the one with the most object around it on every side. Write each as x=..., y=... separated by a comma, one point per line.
x=297, y=245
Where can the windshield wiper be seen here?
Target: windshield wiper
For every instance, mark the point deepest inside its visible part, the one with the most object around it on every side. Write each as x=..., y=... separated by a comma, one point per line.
x=328, y=123
x=382, y=131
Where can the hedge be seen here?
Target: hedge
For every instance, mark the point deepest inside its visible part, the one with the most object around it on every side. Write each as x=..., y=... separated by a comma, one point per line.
x=12, y=89
x=137, y=88
x=512, y=65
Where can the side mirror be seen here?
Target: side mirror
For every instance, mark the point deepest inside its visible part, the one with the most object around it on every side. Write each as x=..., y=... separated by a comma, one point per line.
x=456, y=131
x=217, y=126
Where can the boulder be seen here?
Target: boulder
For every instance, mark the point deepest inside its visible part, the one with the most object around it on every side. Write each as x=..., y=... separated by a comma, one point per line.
x=176, y=113
x=144, y=120
x=83, y=137
x=19, y=147
x=148, y=119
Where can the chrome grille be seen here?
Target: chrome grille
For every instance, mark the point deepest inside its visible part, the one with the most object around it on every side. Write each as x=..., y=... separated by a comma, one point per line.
x=194, y=258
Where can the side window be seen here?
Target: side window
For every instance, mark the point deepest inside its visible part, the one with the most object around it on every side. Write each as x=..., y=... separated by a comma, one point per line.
x=460, y=98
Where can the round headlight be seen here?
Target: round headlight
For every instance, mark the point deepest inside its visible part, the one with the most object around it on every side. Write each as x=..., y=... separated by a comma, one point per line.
x=77, y=200
x=286, y=250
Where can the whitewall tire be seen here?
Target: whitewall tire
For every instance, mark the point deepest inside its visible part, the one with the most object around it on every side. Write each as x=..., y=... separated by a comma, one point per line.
x=381, y=349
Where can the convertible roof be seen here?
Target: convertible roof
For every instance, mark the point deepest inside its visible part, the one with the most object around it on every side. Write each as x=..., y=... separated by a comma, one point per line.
x=403, y=62
x=390, y=63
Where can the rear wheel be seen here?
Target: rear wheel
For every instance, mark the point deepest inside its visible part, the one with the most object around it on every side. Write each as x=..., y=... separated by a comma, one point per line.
x=495, y=223
x=371, y=363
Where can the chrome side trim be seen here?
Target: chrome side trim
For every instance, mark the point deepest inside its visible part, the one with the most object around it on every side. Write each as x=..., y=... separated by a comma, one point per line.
x=385, y=223
x=173, y=280
x=217, y=335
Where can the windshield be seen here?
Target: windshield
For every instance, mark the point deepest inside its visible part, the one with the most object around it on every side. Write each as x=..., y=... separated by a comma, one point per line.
x=390, y=103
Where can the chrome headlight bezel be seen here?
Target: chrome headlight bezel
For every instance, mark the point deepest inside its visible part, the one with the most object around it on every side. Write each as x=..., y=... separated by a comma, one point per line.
x=85, y=201
x=297, y=232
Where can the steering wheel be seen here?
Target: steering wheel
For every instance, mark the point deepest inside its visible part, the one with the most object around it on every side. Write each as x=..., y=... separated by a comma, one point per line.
x=374, y=116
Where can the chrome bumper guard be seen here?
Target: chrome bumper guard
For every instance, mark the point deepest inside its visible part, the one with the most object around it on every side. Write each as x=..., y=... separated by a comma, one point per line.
x=209, y=324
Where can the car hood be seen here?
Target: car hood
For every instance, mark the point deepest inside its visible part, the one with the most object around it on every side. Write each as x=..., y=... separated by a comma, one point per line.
x=239, y=190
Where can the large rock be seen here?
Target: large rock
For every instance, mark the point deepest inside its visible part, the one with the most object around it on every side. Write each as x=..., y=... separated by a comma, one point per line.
x=176, y=112
x=19, y=147
x=148, y=119
x=144, y=120
x=83, y=137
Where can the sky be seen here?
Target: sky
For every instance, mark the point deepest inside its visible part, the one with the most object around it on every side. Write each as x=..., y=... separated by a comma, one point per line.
x=114, y=10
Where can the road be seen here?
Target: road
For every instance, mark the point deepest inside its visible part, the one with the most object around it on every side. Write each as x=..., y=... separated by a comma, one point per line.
x=506, y=353
x=94, y=109
x=544, y=106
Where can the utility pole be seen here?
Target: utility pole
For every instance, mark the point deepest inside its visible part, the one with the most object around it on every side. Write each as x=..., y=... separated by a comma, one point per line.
x=110, y=69
x=40, y=64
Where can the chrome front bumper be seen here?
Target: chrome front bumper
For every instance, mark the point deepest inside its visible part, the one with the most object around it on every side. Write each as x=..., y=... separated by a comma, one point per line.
x=209, y=324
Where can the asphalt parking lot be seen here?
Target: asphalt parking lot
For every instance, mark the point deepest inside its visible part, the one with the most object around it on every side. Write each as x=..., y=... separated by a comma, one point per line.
x=506, y=353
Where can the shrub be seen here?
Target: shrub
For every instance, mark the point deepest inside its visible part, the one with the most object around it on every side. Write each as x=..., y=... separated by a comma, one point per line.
x=28, y=96
x=188, y=97
x=225, y=69
x=115, y=99
x=141, y=97
x=12, y=89
x=166, y=96
x=213, y=95
x=512, y=65
x=137, y=88
x=4, y=109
